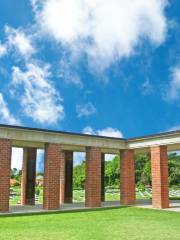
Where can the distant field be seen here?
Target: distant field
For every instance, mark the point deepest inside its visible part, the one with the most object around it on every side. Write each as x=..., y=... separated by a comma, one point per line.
x=79, y=195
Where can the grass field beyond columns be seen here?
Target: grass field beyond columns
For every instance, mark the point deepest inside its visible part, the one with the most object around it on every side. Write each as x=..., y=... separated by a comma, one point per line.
x=122, y=223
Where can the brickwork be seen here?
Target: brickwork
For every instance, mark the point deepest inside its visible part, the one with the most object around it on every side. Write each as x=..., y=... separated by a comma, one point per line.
x=52, y=176
x=93, y=177
x=159, y=170
x=68, y=177
x=102, y=177
x=28, y=176
x=62, y=178
x=127, y=177
x=5, y=170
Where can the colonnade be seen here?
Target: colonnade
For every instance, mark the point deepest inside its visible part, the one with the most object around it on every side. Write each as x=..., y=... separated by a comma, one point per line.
x=58, y=176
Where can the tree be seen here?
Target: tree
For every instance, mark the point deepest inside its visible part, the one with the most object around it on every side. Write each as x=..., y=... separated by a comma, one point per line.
x=79, y=176
x=174, y=169
x=112, y=172
x=14, y=173
x=142, y=172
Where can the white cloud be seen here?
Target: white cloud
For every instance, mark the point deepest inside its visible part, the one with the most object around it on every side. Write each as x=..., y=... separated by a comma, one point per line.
x=20, y=41
x=68, y=73
x=89, y=130
x=110, y=132
x=38, y=96
x=107, y=132
x=173, y=90
x=85, y=110
x=5, y=116
x=3, y=49
x=174, y=128
x=104, y=30
x=34, y=4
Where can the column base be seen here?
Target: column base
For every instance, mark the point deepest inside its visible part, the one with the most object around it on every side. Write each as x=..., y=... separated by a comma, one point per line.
x=92, y=205
x=4, y=210
x=128, y=202
x=29, y=202
x=160, y=206
x=68, y=200
x=51, y=207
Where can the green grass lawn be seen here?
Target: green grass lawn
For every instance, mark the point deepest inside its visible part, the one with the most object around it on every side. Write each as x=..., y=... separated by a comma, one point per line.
x=121, y=223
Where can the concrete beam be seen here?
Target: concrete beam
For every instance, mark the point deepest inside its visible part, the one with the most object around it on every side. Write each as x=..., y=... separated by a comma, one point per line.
x=172, y=140
x=21, y=137
x=31, y=137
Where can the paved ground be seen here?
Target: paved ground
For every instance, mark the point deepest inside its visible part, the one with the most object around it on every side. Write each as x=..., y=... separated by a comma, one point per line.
x=174, y=206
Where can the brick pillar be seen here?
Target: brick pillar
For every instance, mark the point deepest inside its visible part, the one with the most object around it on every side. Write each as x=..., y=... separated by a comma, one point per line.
x=159, y=171
x=93, y=177
x=5, y=174
x=28, y=176
x=68, y=177
x=52, y=176
x=127, y=178
x=62, y=178
x=102, y=177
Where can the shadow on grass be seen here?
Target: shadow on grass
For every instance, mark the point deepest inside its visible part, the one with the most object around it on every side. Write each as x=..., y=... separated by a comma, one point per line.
x=63, y=211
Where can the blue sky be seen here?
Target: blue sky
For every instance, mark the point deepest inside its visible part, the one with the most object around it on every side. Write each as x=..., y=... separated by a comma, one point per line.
x=102, y=67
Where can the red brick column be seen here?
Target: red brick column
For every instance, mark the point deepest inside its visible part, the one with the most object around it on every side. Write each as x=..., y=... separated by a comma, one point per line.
x=127, y=178
x=159, y=170
x=68, y=177
x=102, y=177
x=5, y=171
x=93, y=177
x=28, y=176
x=52, y=176
x=62, y=178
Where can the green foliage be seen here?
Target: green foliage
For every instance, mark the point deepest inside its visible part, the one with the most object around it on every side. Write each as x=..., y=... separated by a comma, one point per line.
x=79, y=176
x=16, y=174
x=174, y=169
x=112, y=173
x=38, y=191
x=142, y=172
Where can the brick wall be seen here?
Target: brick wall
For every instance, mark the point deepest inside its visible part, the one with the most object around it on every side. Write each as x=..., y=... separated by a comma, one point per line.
x=159, y=170
x=5, y=170
x=52, y=176
x=93, y=177
x=127, y=177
